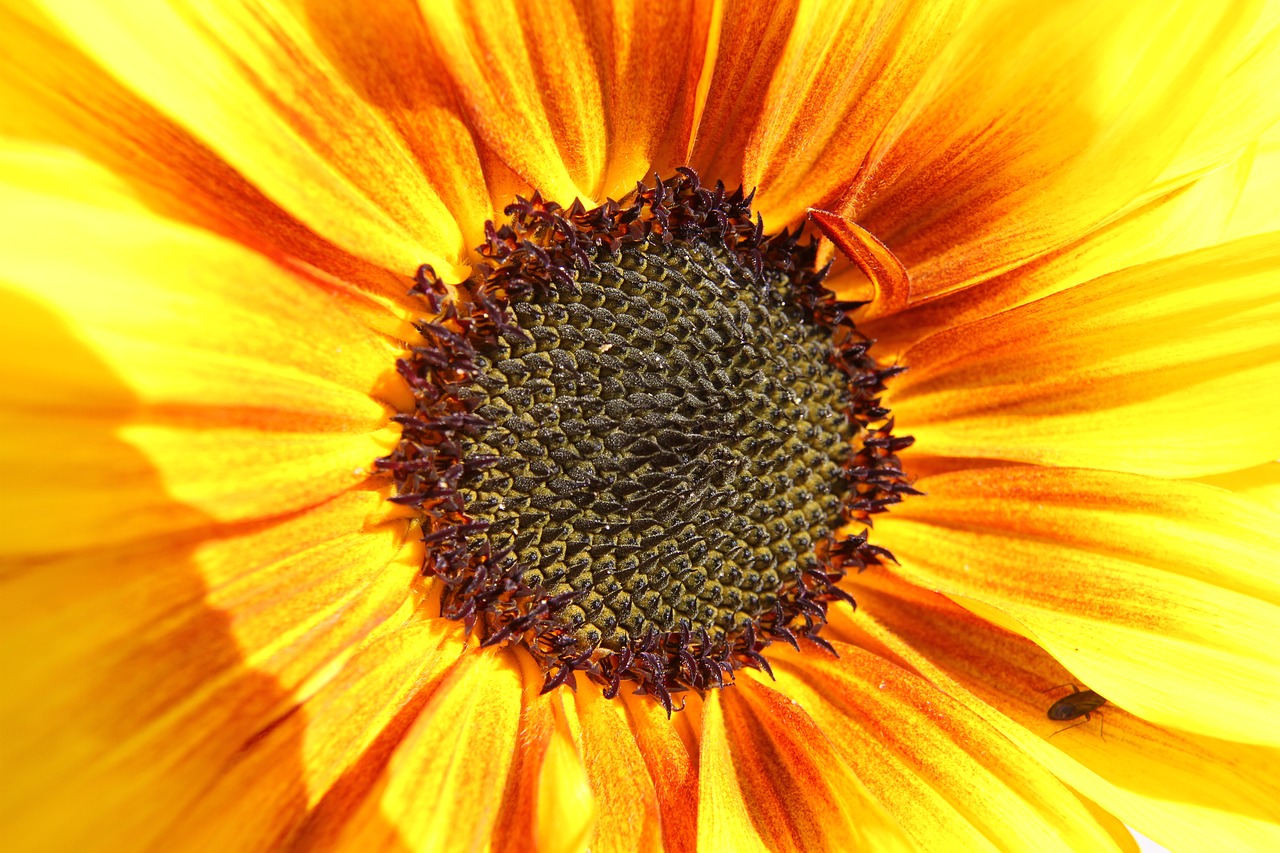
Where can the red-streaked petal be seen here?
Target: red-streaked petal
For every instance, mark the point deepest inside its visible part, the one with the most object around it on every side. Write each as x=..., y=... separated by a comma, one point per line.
x=1176, y=787
x=1146, y=589
x=1189, y=218
x=578, y=100
x=771, y=779
x=306, y=139
x=442, y=788
x=937, y=768
x=669, y=749
x=627, y=806
x=1169, y=368
x=1034, y=126
x=824, y=80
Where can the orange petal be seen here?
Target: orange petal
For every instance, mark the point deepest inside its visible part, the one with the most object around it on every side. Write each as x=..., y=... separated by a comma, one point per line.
x=824, y=79
x=669, y=749
x=627, y=816
x=651, y=58
x=1178, y=787
x=306, y=139
x=385, y=51
x=734, y=91
x=1146, y=589
x=443, y=786
x=579, y=100
x=1191, y=217
x=948, y=778
x=890, y=282
x=772, y=779
x=1169, y=368
x=1036, y=125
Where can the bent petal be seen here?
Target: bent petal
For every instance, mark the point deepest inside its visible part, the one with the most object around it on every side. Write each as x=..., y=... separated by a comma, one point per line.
x=1171, y=368
x=1037, y=125
x=1146, y=589
x=1191, y=217
x=306, y=140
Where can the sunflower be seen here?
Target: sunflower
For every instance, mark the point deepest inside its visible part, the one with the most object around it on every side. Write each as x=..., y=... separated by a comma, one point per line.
x=673, y=426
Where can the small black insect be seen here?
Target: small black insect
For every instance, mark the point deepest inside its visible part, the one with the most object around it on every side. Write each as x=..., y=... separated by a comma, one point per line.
x=1081, y=703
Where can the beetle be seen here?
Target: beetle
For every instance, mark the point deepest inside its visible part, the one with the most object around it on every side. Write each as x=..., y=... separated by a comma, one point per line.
x=1081, y=703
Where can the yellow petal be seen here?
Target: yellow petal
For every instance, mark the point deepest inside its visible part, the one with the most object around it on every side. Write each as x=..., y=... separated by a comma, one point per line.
x=1182, y=789
x=949, y=779
x=567, y=811
x=627, y=807
x=443, y=786
x=308, y=141
x=1169, y=368
x=162, y=659
x=1036, y=125
x=324, y=750
x=1260, y=483
x=1146, y=589
x=159, y=357
x=1257, y=212
x=1241, y=110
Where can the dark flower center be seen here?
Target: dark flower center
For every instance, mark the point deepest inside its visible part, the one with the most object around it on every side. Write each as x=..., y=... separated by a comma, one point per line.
x=637, y=431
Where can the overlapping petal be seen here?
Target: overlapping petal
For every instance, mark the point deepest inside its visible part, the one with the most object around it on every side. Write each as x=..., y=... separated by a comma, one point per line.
x=1147, y=589
x=578, y=101
x=1178, y=788
x=1169, y=368
x=943, y=774
x=1037, y=125
x=248, y=81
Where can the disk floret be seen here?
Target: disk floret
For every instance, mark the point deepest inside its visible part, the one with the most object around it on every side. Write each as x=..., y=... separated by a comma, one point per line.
x=637, y=429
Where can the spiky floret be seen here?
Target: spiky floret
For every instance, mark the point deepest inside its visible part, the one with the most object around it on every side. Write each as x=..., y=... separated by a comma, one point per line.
x=620, y=508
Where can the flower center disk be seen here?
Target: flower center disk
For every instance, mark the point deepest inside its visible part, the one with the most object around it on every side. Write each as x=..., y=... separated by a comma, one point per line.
x=637, y=430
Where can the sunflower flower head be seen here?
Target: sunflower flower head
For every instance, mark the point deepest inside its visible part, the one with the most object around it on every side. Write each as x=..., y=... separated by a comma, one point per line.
x=820, y=425
x=632, y=439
